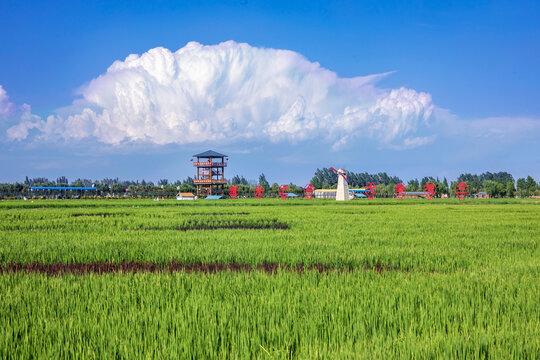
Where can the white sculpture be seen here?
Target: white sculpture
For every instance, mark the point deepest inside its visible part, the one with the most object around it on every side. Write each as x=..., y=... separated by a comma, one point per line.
x=342, y=193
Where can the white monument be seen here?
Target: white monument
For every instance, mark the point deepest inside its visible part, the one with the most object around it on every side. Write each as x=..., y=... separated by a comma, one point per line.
x=342, y=193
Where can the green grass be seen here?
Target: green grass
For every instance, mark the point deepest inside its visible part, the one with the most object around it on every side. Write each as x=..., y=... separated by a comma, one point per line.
x=465, y=280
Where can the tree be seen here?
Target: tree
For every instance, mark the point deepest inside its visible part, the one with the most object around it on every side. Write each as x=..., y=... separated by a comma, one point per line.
x=441, y=188
x=316, y=182
x=387, y=190
x=295, y=189
x=118, y=188
x=39, y=181
x=81, y=182
x=413, y=185
x=500, y=188
x=102, y=188
x=190, y=181
x=510, y=189
x=163, y=182
x=263, y=182
x=239, y=180
x=186, y=187
x=521, y=186
x=425, y=180
x=327, y=178
x=530, y=185
x=493, y=188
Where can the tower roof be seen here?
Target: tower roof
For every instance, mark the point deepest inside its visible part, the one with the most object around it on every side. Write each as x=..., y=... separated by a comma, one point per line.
x=210, y=153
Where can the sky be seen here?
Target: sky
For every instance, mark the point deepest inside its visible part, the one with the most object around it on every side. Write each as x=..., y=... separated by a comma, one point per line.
x=103, y=89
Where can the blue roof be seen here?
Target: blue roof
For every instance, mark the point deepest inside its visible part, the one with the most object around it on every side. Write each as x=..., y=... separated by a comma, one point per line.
x=292, y=195
x=210, y=153
x=213, y=197
x=359, y=194
x=61, y=188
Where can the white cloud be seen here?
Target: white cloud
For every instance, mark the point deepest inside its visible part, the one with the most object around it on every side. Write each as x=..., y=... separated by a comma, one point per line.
x=505, y=127
x=6, y=106
x=27, y=122
x=409, y=143
x=23, y=115
x=496, y=130
x=232, y=92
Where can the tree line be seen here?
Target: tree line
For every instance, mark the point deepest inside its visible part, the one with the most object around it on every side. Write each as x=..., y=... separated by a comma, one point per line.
x=499, y=184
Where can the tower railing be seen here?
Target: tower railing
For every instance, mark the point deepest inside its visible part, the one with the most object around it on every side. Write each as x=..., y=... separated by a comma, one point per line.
x=209, y=163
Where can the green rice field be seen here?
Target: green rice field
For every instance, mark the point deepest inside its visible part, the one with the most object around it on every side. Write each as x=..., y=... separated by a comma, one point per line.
x=270, y=279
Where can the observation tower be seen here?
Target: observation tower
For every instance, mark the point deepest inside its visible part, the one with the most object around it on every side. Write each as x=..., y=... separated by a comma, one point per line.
x=210, y=177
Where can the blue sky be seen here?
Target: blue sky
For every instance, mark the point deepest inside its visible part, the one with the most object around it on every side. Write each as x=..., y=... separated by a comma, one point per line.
x=469, y=72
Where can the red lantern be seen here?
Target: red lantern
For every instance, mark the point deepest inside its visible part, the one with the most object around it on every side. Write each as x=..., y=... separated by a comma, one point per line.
x=371, y=190
x=259, y=192
x=308, y=191
x=283, y=191
x=233, y=192
x=461, y=189
x=399, y=191
x=430, y=190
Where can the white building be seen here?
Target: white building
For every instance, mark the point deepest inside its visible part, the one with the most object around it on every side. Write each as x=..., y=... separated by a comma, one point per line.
x=185, y=196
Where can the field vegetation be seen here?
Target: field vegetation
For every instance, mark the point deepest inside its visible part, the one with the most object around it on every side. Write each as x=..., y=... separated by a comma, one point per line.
x=270, y=279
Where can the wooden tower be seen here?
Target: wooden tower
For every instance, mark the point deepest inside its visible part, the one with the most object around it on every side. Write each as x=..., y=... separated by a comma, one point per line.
x=210, y=177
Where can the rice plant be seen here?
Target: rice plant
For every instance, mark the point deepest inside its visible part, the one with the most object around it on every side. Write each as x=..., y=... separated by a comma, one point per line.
x=270, y=279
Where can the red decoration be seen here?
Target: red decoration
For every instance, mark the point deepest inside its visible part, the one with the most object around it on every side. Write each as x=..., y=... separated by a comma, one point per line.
x=338, y=173
x=371, y=190
x=461, y=189
x=259, y=192
x=191, y=160
x=399, y=191
x=283, y=191
x=430, y=190
x=233, y=192
x=308, y=191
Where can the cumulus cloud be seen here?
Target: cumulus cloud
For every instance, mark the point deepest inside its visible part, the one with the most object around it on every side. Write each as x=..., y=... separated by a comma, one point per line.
x=9, y=112
x=5, y=105
x=27, y=121
x=233, y=92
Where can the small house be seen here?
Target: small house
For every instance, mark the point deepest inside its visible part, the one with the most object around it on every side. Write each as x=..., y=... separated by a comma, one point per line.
x=414, y=195
x=331, y=193
x=185, y=196
x=481, y=195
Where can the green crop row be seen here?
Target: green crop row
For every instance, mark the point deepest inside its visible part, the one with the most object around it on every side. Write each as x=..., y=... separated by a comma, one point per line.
x=115, y=203
x=255, y=315
x=414, y=237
